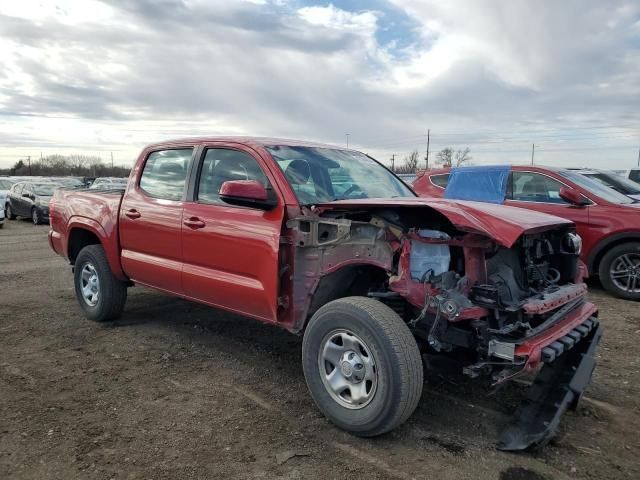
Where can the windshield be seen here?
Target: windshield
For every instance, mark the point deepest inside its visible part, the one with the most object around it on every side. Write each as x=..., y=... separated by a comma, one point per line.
x=45, y=189
x=621, y=184
x=320, y=175
x=5, y=184
x=606, y=193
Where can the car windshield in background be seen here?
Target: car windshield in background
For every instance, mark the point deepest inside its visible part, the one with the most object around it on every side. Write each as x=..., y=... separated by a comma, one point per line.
x=621, y=184
x=5, y=184
x=45, y=189
x=319, y=175
x=597, y=188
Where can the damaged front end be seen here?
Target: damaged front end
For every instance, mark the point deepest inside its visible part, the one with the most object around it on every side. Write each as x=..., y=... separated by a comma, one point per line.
x=498, y=309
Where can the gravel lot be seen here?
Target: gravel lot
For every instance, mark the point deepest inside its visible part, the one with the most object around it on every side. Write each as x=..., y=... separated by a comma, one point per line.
x=176, y=390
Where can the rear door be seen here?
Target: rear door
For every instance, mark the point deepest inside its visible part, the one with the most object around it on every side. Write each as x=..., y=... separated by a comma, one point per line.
x=24, y=203
x=151, y=220
x=231, y=252
x=14, y=197
x=537, y=191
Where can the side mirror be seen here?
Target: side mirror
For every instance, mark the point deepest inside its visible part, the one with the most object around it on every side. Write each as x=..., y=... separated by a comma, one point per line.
x=246, y=193
x=573, y=196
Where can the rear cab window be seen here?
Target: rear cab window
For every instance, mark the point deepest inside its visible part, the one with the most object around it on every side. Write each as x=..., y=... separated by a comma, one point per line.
x=165, y=173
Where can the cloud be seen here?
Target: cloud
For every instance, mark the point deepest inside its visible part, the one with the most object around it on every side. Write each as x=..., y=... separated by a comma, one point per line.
x=124, y=73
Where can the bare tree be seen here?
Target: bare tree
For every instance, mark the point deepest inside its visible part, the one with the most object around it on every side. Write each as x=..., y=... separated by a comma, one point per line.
x=445, y=157
x=448, y=157
x=462, y=156
x=409, y=163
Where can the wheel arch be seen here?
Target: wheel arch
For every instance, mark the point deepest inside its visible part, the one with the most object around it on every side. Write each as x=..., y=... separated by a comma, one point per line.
x=86, y=231
x=596, y=254
x=346, y=280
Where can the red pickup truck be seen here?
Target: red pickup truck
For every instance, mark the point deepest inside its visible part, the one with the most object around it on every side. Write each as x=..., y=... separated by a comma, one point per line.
x=329, y=243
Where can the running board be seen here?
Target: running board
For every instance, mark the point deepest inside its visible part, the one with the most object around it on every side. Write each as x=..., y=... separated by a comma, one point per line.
x=558, y=386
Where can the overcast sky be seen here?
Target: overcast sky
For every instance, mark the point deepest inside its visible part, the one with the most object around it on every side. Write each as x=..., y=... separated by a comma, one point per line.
x=496, y=76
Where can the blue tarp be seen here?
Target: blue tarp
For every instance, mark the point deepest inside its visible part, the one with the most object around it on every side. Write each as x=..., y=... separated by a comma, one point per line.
x=481, y=184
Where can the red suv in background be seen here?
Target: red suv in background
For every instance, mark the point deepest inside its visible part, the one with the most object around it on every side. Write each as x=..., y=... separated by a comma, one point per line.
x=607, y=221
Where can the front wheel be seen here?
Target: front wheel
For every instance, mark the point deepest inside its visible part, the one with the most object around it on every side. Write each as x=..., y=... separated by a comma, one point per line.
x=9, y=213
x=620, y=271
x=101, y=295
x=362, y=365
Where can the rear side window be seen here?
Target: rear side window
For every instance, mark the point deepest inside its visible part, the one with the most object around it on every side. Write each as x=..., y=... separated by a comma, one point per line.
x=440, y=180
x=165, y=173
x=221, y=165
x=17, y=188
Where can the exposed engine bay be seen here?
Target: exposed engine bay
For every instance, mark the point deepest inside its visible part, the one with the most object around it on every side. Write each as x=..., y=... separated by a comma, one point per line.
x=467, y=298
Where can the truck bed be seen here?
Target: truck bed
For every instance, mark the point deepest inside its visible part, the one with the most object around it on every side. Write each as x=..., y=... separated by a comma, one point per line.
x=94, y=210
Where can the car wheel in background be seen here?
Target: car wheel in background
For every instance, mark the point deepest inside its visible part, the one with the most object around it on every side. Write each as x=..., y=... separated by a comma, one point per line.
x=9, y=213
x=620, y=271
x=35, y=216
x=100, y=294
x=362, y=365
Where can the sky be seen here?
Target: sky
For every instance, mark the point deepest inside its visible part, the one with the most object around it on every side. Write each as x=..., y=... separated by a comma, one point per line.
x=497, y=76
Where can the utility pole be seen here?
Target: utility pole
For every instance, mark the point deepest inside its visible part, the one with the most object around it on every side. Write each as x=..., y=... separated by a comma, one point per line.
x=533, y=151
x=111, y=163
x=427, y=157
x=393, y=162
x=29, y=160
x=639, y=158
x=347, y=135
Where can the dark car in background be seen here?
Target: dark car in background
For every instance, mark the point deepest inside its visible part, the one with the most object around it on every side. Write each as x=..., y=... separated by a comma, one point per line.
x=30, y=200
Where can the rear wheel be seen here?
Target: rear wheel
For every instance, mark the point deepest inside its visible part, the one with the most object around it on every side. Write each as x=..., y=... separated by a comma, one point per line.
x=9, y=213
x=100, y=294
x=362, y=365
x=620, y=271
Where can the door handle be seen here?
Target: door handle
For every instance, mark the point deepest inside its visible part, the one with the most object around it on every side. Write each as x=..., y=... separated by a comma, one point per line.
x=132, y=213
x=194, y=223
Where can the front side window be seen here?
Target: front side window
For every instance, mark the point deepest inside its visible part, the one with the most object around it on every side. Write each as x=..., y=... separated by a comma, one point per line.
x=534, y=187
x=222, y=165
x=635, y=175
x=17, y=188
x=165, y=173
x=320, y=175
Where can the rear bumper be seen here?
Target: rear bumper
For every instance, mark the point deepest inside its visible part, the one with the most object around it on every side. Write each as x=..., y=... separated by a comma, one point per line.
x=55, y=242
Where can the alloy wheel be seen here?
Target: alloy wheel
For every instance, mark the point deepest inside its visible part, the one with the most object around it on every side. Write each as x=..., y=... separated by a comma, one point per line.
x=625, y=272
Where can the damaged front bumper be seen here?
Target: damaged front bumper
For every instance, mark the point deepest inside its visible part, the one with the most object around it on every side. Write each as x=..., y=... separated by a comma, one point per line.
x=568, y=365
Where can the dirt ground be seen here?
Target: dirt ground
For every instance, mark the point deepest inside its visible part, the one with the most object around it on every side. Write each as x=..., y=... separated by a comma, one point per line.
x=175, y=390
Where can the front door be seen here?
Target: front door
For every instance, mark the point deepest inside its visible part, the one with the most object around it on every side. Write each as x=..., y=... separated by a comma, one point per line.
x=536, y=191
x=151, y=221
x=231, y=252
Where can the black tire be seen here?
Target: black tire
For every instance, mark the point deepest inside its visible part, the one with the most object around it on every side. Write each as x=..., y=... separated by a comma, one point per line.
x=9, y=213
x=612, y=258
x=398, y=363
x=35, y=216
x=112, y=293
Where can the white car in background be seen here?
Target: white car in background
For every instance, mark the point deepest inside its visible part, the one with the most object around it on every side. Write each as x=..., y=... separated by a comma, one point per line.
x=109, y=183
x=631, y=174
x=5, y=185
